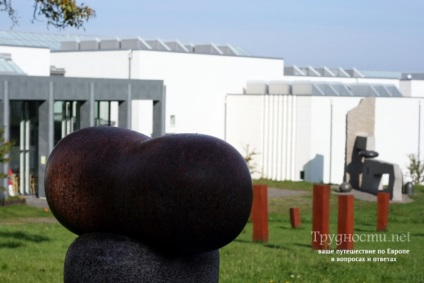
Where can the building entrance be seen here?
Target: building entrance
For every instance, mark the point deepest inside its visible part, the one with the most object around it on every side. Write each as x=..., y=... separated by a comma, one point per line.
x=66, y=118
x=24, y=132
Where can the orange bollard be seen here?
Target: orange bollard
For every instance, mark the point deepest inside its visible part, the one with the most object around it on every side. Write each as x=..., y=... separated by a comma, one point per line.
x=321, y=217
x=259, y=215
x=383, y=200
x=345, y=222
x=295, y=217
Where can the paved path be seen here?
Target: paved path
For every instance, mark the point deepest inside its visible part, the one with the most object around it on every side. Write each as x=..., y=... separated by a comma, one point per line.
x=275, y=193
x=36, y=202
x=272, y=193
x=370, y=197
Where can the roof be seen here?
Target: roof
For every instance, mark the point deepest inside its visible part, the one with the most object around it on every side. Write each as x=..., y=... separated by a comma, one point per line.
x=412, y=76
x=329, y=89
x=8, y=67
x=67, y=42
x=339, y=72
x=30, y=39
x=139, y=43
x=382, y=74
x=341, y=89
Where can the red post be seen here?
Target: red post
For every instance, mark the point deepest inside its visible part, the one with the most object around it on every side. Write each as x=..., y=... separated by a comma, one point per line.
x=345, y=222
x=321, y=217
x=295, y=217
x=259, y=215
x=383, y=200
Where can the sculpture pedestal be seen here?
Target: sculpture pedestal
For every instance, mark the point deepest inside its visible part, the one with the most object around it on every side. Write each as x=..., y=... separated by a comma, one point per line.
x=102, y=257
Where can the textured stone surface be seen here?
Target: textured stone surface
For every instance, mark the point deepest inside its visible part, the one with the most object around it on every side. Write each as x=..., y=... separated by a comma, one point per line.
x=82, y=181
x=360, y=121
x=182, y=194
x=113, y=258
x=373, y=173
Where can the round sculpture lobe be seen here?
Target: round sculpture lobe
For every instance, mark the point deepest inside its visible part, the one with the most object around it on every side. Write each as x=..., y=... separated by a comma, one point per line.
x=180, y=194
x=82, y=177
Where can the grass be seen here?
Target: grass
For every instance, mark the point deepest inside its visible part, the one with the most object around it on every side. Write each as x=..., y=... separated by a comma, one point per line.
x=288, y=257
x=33, y=245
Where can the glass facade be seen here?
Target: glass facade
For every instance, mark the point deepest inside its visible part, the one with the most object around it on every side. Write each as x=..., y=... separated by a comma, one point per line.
x=24, y=132
x=36, y=112
x=106, y=113
x=66, y=118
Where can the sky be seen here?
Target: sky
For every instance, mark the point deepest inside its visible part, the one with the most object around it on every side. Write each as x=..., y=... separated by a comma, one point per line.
x=379, y=35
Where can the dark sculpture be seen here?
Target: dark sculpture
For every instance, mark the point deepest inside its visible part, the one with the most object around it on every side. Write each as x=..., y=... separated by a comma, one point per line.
x=368, y=153
x=174, y=197
x=365, y=172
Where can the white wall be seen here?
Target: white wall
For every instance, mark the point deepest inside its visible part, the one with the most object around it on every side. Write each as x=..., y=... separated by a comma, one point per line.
x=321, y=135
x=396, y=133
x=261, y=122
x=265, y=123
x=93, y=64
x=142, y=116
x=196, y=84
x=341, y=80
x=397, y=129
x=291, y=134
x=33, y=61
x=244, y=127
x=405, y=87
x=417, y=88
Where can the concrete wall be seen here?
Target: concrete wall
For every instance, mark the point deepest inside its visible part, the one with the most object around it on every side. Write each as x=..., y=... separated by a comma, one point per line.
x=341, y=80
x=417, y=88
x=398, y=131
x=196, y=84
x=33, y=61
x=292, y=134
x=244, y=127
x=321, y=130
x=413, y=88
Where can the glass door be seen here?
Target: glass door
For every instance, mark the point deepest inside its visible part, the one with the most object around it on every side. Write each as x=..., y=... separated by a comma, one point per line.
x=66, y=118
x=24, y=131
x=106, y=113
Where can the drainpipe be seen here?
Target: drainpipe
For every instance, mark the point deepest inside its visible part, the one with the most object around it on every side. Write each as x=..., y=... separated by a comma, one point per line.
x=419, y=130
x=130, y=55
x=331, y=138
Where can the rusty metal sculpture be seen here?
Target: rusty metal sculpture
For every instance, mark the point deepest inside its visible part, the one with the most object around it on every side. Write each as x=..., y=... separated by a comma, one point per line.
x=171, y=201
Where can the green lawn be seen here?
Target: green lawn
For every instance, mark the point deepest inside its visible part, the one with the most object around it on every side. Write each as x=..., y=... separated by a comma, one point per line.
x=33, y=246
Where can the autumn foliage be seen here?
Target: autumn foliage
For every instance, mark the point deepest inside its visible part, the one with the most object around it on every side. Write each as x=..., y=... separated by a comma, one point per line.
x=59, y=13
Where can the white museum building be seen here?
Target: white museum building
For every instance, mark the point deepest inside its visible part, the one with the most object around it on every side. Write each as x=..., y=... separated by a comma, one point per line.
x=294, y=118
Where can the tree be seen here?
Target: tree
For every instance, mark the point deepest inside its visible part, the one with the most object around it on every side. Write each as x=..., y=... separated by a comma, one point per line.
x=5, y=148
x=416, y=169
x=248, y=157
x=59, y=13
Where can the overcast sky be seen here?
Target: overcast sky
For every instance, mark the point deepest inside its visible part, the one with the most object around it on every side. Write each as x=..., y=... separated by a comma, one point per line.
x=366, y=34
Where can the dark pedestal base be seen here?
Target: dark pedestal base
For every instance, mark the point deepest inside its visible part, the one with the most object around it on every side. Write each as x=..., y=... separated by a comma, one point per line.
x=100, y=257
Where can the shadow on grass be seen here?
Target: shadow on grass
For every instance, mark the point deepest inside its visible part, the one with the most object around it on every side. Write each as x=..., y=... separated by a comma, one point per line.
x=417, y=234
x=303, y=245
x=276, y=247
x=300, y=228
x=266, y=245
x=10, y=245
x=359, y=223
x=21, y=236
x=371, y=230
